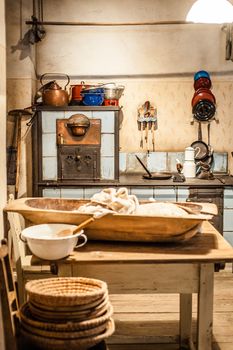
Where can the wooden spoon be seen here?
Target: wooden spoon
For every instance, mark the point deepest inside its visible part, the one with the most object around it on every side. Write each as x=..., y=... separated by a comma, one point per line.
x=68, y=232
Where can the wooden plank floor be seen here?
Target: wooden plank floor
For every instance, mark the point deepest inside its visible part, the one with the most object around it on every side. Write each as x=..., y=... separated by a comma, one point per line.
x=151, y=321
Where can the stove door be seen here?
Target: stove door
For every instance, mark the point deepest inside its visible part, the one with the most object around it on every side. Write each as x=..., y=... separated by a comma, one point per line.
x=78, y=162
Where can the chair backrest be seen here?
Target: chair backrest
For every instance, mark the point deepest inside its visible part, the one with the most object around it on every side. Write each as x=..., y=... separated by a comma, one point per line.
x=19, y=248
x=8, y=299
x=16, y=226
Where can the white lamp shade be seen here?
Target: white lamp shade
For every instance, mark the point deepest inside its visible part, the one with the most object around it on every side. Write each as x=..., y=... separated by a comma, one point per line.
x=211, y=11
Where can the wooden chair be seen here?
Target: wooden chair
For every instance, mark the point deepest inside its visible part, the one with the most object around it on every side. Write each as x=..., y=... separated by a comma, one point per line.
x=22, y=258
x=10, y=309
x=8, y=300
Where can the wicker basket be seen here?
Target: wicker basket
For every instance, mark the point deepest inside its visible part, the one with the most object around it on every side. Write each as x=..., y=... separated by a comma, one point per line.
x=64, y=344
x=72, y=308
x=45, y=315
x=64, y=291
x=27, y=318
x=66, y=335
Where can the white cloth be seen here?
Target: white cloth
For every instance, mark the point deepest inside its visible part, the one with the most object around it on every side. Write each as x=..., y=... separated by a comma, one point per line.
x=111, y=200
x=97, y=210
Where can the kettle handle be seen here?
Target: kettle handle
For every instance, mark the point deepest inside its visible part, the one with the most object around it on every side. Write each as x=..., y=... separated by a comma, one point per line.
x=55, y=74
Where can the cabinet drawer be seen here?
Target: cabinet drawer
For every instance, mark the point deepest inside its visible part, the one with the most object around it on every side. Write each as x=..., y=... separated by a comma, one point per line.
x=213, y=195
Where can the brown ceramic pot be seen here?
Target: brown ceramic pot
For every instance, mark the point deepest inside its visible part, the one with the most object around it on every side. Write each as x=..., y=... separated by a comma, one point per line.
x=202, y=83
x=203, y=94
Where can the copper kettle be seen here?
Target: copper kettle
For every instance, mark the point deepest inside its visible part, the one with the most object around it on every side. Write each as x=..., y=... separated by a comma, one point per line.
x=54, y=95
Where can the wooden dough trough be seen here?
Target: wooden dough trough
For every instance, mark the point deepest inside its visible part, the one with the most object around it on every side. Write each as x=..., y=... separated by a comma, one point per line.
x=114, y=227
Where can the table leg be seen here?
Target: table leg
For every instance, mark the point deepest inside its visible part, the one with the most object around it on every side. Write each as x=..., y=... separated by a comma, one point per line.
x=205, y=307
x=185, y=321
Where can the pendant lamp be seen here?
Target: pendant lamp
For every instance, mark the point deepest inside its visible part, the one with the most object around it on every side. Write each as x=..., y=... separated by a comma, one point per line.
x=211, y=11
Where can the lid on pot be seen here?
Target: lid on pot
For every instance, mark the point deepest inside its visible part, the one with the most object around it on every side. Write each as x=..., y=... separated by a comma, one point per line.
x=53, y=86
x=201, y=74
x=79, y=120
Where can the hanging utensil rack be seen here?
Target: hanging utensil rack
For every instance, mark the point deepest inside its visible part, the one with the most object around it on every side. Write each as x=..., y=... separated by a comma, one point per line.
x=147, y=124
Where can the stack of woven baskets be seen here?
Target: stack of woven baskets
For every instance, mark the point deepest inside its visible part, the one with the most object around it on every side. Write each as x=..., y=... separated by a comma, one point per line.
x=66, y=313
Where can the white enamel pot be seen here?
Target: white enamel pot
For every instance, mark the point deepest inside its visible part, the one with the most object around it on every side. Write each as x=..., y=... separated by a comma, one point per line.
x=45, y=244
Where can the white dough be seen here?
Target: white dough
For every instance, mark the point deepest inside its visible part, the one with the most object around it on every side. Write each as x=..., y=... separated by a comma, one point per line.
x=160, y=209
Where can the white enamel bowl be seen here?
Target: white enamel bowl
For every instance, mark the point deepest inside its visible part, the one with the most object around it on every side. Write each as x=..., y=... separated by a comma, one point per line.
x=45, y=244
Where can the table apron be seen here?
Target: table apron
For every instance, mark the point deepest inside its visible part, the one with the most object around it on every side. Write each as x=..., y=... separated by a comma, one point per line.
x=139, y=278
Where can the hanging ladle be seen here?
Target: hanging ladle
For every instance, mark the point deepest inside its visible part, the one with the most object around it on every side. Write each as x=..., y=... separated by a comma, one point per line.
x=69, y=232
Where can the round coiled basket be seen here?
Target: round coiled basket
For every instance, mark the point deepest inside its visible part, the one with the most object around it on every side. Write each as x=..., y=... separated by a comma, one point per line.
x=82, y=343
x=66, y=313
x=65, y=291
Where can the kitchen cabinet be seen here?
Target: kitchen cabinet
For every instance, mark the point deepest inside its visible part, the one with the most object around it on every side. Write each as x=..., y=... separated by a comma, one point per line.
x=210, y=195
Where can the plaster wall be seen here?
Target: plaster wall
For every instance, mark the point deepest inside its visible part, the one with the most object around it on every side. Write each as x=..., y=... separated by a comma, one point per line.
x=21, y=82
x=2, y=113
x=2, y=134
x=154, y=63
x=128, y=50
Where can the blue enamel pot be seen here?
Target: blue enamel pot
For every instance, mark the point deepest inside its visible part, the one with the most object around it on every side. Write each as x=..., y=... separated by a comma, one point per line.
x=92, y=99
x=201, y=74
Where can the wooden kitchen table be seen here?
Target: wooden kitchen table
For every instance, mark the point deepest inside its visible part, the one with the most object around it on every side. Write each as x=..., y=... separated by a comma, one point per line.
x=183, y=268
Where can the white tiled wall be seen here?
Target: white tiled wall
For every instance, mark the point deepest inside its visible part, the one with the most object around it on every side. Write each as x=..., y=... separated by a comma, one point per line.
x=165, y=194
x=161, y=194
x=107, y=168
x=228, y=215
x=90, y=191
x=51, y=192
x=160, y=161
x=107, y=121
x=49, y=121
x=49, y=168
x=49, y=146
x=107, y=145
x=72, y=192
x=183, y=194
x=157, y=161
x=143, y=193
